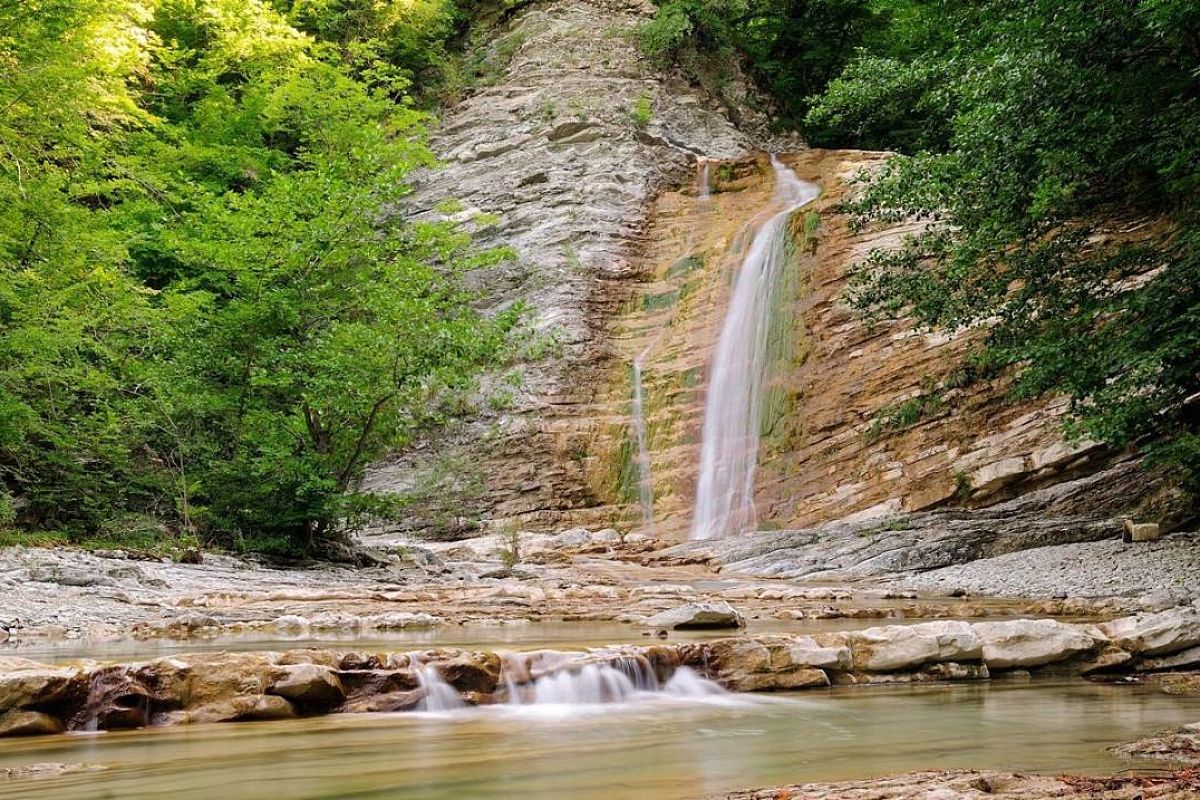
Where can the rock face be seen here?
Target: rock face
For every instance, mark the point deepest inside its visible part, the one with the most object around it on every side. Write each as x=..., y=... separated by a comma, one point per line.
x=550, y=150
x=620, y=256
x=1067, y=512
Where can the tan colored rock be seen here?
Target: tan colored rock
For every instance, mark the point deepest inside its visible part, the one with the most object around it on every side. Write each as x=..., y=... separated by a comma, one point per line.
x=805, y=651
x=1141, y=531
x=784, y=680
x=309, y=685
x=27, y=683
x=29, y=723
x=1030, y=642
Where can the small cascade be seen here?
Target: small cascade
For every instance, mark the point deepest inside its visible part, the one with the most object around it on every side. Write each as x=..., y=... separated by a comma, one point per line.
x=704, y=188
x=591, y=684
x=439, y=695
x=617, y=680
x=686, y=682
x=645, y=480
x=730, y=437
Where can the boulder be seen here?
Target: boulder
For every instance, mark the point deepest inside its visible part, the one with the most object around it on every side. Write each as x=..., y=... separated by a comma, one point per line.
x=309, y=685
x=1140, y=531
x=29, y=723
x=1188, y=659
x=1030, y=642
x=698, y=616
x=778, y=681
x=805, y=651
x=26, y=683
x=1160, y=634
x=893, y=648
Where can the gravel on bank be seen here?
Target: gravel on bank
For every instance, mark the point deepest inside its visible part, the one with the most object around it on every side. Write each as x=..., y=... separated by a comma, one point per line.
x=1109, y=568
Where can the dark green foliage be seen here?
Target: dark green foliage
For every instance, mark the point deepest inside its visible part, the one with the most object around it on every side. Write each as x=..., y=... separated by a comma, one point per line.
x=211, y=316
x=1054, y=154
x=793, y=47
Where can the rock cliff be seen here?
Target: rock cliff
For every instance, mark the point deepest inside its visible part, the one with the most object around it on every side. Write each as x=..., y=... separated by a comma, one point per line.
x=584, y=158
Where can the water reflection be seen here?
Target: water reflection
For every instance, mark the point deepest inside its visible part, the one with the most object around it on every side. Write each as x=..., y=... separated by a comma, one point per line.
x=664, y=747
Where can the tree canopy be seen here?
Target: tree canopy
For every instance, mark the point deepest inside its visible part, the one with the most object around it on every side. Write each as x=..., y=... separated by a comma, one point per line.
x=212, y=313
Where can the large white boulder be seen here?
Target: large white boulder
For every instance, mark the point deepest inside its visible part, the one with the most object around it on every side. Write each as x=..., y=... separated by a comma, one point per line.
x=1031, y=642
x=898, y=647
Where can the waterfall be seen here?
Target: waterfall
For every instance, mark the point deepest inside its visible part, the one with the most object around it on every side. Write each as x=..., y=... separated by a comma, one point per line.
x=439, y=695
x=705, y=181
x=618, y=680
x=645, y=481
x=729, y=443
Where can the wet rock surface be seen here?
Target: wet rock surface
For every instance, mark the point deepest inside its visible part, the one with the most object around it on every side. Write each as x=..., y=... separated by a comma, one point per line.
x=227, y=687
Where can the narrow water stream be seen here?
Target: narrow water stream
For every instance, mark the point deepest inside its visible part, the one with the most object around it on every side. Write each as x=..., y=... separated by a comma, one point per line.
x=664, y=747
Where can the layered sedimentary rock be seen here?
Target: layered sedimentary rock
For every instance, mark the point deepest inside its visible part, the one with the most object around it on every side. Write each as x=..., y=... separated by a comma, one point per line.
x=557, y=155
x=861, y=420
x=585, y=158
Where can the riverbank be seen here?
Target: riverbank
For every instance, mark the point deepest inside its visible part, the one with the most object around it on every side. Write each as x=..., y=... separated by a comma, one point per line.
x=970, y=785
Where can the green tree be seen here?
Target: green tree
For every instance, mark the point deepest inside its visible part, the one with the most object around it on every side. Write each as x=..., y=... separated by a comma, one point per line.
x=1053, y=150
x=213, y=312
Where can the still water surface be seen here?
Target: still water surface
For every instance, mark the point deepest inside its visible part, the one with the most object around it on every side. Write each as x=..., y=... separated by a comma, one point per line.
x=661, y=748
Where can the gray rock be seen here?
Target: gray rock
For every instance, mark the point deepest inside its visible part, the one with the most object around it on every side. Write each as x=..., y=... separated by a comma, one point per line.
x=706, y=615
x=1158, y=634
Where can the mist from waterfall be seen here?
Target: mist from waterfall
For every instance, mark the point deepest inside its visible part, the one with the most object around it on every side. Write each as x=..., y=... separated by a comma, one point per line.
x=733, y=409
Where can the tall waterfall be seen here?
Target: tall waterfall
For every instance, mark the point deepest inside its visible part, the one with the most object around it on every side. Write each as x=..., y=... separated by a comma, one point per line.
x=732, y=413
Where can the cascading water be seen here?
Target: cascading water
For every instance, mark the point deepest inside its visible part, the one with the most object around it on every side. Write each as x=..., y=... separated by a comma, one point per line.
x=439, y=695
x=617, y=680
x=705, y=188
x=730, y=438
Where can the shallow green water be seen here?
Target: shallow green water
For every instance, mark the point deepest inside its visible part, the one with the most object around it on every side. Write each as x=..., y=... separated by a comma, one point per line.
x=657, y=748
x=533, y=635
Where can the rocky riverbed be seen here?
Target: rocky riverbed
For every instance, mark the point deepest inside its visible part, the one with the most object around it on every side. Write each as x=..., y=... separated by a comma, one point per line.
x=573, y=576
